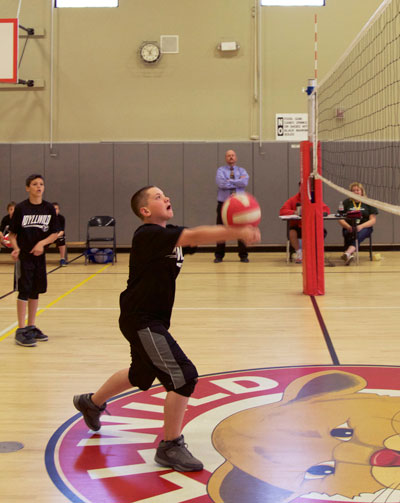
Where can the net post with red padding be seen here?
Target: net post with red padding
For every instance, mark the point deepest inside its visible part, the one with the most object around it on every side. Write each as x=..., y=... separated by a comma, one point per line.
x=312, y=224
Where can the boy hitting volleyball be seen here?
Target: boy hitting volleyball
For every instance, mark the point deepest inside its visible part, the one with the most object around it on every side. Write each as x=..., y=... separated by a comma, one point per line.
x=155, y=261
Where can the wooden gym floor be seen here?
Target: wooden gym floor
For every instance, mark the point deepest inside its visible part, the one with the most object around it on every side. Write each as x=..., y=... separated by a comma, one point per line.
x=228, y=317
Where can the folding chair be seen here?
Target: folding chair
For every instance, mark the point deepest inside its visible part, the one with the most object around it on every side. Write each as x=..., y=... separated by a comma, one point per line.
x=369, y=248
x=107, y=235
x=290, y=251
x=354, y=217
x=289, y=248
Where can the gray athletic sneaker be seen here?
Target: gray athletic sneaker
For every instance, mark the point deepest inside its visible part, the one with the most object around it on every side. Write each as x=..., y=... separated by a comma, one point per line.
x=24, y=338
x=36, y=333
x=90, y=412
x=175, y=454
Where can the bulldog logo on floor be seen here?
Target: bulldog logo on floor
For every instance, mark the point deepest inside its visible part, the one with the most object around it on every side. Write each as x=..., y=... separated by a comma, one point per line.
x=328, y=436
x=278, y=435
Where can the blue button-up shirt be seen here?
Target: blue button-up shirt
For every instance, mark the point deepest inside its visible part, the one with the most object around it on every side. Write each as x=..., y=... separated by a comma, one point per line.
x=227, y=185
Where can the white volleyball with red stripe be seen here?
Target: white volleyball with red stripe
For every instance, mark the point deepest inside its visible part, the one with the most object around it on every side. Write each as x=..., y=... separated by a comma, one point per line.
x=6, y=241
x=241, y=209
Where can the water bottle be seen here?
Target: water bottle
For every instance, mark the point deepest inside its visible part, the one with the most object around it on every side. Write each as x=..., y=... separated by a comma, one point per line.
x=341, y=208
x=298, y=209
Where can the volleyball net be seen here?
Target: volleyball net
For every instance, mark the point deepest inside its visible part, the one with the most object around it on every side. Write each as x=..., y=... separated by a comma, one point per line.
x=358, y=113
x=354, y=133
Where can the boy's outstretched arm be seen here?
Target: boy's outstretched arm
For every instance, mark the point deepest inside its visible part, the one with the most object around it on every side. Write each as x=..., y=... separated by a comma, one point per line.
x=209, y=234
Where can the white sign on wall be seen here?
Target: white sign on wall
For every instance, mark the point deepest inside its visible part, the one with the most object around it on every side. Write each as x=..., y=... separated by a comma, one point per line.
x=291, y=127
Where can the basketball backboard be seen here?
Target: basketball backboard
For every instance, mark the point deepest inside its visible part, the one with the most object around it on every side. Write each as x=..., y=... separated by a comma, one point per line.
x=8, y=50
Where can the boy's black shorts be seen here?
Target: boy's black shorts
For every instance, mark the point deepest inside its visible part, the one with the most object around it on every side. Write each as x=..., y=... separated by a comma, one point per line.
x=60, y=241
x=155, y=354
x=31, y=275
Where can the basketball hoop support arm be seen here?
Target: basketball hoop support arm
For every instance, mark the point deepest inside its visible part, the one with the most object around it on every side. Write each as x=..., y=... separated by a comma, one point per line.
x=29, y=31
x=28, y=83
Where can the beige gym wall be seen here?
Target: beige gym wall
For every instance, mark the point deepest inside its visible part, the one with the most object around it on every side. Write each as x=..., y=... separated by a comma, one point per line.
x=103, y=92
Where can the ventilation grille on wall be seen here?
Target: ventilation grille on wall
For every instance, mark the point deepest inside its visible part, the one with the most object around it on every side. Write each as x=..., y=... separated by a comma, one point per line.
x=169, y=44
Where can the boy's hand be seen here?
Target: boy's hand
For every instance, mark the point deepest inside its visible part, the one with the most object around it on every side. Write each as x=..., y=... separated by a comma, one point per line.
x=15, y=254
x=250, y=235
x=38, y=249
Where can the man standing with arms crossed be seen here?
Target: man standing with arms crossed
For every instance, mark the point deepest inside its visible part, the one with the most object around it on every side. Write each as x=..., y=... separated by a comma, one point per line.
x=230, y=179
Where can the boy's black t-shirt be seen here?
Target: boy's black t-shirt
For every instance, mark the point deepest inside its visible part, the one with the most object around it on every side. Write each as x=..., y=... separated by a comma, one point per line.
x=5, y=224
x=32, y=223
x=154, y=264
x=60, y=222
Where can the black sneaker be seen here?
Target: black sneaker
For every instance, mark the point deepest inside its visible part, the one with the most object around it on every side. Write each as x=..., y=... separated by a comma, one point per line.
x=217, y=260
x=90, y=412
x=36, y=333
x=245, y=260
x=175, y=454
x=63, y=263
x=24, y=338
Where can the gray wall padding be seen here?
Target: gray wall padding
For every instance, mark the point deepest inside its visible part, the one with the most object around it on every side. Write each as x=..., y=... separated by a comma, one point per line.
x=100, y=178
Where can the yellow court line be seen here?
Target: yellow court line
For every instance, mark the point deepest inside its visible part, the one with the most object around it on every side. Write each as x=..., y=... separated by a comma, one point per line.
x=58, y=299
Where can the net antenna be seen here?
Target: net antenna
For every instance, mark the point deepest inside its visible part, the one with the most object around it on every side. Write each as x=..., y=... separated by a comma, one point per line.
x=313, y=103
x=358, y=113
x=311, y=91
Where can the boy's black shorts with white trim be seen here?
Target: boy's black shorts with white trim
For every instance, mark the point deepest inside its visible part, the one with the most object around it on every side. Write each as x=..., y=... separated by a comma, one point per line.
x=31, y=276
x=156, y=354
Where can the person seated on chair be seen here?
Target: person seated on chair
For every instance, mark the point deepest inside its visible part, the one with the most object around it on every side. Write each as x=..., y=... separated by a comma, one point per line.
x=60, y=241
x=5, y=224
x=356, y=227
x=291, y=207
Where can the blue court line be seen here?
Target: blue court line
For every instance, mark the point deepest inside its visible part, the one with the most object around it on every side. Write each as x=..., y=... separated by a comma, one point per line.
x=325, y=333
